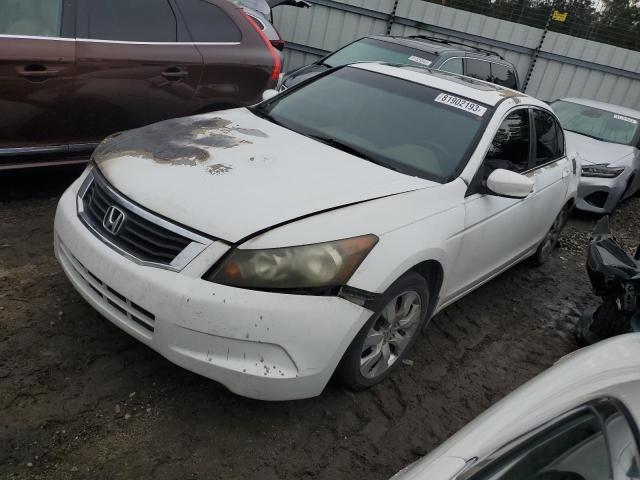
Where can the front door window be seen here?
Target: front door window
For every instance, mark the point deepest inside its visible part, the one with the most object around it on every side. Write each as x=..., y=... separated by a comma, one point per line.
x=510, y=146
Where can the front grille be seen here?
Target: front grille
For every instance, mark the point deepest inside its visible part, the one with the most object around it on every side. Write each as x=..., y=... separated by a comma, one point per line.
x=124, y=309
x=138, y=233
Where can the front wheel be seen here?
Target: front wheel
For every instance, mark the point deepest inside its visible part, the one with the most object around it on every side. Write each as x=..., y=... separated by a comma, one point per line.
x=551, y=238
x=385, y=339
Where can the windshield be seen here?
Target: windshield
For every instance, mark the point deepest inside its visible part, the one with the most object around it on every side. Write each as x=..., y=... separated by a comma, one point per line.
x=399, y=124
x=596, y=123
x=370, y=50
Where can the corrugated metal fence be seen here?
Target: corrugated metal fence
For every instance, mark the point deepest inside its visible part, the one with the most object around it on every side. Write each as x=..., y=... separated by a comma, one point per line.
x=563, y=66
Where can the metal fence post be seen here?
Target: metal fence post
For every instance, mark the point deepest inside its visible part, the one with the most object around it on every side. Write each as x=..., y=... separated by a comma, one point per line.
x=392, y=17
x=536, y=52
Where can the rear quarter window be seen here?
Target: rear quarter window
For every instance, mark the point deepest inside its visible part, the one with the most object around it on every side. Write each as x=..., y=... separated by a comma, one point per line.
x=208, y=23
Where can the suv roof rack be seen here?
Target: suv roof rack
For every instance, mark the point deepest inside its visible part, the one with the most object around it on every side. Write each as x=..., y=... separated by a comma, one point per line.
x=453, y=42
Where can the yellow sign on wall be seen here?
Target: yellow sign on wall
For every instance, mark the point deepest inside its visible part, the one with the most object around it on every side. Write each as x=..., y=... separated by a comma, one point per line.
x=559, y=16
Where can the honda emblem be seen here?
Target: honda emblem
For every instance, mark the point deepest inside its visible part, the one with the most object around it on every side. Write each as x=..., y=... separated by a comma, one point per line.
x=113, y=220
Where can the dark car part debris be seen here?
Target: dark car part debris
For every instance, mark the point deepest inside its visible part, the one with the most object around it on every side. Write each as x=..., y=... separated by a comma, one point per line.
x=615, y=277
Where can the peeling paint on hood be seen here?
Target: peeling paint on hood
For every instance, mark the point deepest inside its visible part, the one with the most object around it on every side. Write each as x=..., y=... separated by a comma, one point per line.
x=181, y=141
x=230, y=174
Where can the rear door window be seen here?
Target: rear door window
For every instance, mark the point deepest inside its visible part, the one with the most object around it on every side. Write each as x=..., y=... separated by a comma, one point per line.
x=503, y=75
x=546, y=138
x=208, y=23
x=33, y=18
x=477, y=69
x=132, y=20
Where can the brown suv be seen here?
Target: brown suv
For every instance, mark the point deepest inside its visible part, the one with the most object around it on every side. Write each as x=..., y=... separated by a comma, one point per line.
x=75, y=71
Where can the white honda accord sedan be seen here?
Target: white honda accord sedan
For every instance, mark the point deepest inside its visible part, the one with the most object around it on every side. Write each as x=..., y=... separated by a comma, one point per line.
x=317, y=232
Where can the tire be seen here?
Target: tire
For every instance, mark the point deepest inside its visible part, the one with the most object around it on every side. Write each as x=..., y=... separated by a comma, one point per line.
x=365, y=364
x=549, y=242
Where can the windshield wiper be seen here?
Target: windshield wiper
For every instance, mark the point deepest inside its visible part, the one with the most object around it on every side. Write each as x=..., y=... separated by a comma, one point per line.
x=332, y=142
x=264, y=114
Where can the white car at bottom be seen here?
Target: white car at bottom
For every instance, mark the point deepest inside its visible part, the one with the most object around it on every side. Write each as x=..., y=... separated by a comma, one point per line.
x=317, y=232
x=576, y=421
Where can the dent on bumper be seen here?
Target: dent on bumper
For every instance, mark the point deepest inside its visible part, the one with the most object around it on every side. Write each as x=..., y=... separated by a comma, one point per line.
x=261, y=345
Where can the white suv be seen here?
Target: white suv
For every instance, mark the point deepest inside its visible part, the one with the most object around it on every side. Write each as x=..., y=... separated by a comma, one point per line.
x=321, y=229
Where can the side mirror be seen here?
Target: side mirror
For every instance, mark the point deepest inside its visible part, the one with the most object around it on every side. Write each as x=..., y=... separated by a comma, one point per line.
x=269, y=94
x=506, y=183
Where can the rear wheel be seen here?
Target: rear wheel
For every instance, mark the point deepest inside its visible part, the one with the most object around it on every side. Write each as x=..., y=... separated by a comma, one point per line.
x=385, y=339
x=551, y=238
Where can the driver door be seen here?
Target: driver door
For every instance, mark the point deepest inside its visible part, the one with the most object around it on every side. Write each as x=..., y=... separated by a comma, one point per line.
x=498, y=231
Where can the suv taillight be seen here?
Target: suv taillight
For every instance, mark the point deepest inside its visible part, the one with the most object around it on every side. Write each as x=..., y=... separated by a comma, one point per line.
x=275, y=73
x=279, y=44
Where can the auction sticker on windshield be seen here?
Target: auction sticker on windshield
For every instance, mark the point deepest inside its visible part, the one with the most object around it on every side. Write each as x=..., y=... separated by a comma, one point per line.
x=462, y=104
x=626, y=119
x=420, y=60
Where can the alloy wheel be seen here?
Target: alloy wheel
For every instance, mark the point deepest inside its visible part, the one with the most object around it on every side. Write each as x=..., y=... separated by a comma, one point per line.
x=390, y=334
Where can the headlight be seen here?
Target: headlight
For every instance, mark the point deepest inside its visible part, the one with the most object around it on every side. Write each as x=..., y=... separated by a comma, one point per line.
x=601, y=170
x=329, y=264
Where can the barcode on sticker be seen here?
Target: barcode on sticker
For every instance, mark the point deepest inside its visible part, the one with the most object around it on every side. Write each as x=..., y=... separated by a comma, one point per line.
x=626, y=119
x=462, y=104
x=420, y=60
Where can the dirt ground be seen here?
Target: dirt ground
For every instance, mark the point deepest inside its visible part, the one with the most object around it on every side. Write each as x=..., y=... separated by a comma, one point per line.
x=81, y=399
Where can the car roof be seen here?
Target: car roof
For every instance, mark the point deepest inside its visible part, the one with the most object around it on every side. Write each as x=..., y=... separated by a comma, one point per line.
x=471, y=88
x=438, y=46
x=610, y=107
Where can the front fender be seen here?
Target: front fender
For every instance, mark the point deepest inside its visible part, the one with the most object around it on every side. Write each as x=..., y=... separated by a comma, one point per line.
x=434, y=238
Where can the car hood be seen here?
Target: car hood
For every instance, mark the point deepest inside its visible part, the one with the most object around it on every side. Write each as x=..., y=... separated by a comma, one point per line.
x=304, y=73
x=591, y=151
x=231, y=174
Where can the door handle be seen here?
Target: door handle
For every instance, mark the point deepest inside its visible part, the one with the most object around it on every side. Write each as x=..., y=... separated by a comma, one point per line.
x=175, y=73
x=38, y=71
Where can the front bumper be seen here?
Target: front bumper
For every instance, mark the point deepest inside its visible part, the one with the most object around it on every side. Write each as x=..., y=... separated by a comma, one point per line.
x=261, y=345
x=601, y=195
